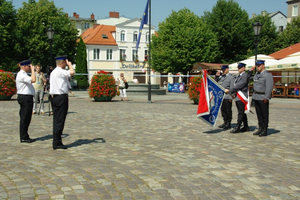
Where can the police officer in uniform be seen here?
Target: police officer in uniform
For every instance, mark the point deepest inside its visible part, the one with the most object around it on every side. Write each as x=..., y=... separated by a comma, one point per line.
x=226, y=80
x=25, y=93
x=240, y=84
x=60, y=103
x=262, y=86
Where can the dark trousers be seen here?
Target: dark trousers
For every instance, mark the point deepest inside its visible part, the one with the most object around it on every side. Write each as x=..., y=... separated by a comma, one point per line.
x=242, y=117
x=60, y=105
x=26, y=106
x=226, y=109
x=262, y=112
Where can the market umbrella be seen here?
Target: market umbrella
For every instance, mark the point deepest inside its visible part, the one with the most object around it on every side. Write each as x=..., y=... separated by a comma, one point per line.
x=290, y=63
x=269, y=61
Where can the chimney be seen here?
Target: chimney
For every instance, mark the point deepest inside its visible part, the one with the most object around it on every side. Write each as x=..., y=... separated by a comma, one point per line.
x=92, y=16
x=74, y=14
x=114, y=14
x=77, y=16
x=67, y=15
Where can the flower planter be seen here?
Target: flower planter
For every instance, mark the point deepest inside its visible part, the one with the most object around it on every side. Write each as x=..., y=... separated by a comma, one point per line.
x=102, y=98
x=2, y=97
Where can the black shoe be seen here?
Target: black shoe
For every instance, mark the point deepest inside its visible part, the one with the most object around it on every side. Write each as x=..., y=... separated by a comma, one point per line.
x=258, y=132
x=60, y=147
x=223, y=125
x=245, y=129
x=236, y=129
x=263, y=133
x=27, y=140
x=227, y=125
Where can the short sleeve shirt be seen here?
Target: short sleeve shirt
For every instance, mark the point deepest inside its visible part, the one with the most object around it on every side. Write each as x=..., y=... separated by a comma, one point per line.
x=59, y=81
x=24, y=85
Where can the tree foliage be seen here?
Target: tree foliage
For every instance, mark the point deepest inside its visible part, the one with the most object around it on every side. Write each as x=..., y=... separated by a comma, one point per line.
x=290, y=36
x=81, y=65
x=267, y=36
x=234, y=31
x=33, y=20
x=183, y=40
x=7, y=36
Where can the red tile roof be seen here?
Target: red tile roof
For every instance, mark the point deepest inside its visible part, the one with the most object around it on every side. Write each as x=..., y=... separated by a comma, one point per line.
x=287, y=51
x=216, y=66
x=95, y=35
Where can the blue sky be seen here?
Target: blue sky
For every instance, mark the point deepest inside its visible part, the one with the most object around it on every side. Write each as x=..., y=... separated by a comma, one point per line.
x=160, y=9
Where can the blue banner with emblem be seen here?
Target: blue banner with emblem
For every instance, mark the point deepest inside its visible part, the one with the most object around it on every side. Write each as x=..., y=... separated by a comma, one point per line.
x=176, y=87
x=214, y=93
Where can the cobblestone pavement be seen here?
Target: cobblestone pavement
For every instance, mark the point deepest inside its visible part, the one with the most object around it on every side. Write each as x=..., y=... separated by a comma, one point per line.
x=141, y=150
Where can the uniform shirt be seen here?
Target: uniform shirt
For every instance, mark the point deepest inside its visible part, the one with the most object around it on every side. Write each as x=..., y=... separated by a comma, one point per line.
x=226, y=81
x=262, y=83
x=240, y=83
x=59, y=81
x=24, y=85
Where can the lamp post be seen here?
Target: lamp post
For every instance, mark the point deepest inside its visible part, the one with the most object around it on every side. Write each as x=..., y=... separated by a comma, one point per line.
x=50, y=34
x=256, y=28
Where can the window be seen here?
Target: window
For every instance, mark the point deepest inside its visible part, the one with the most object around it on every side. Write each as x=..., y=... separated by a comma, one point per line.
x=122, y=36
x=135, y=36
x=109, y=54
x=146, y=55
x=295, y=10
x=135, y=55
x=122, y=55
x=280, y=29
x=86, y=25
x=96, y=54
x=104, y=36
x=147, y=37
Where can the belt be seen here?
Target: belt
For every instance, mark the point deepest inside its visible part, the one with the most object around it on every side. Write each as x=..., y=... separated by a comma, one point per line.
x=259, y=92
x=56, y=95
x=28, y=95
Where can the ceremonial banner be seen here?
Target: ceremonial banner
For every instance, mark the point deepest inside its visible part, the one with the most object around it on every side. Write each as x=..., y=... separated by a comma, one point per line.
x=176, y=87
x=245, y=100
x=210, y=100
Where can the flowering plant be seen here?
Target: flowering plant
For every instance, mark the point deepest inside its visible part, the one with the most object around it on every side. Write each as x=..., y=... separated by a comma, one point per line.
x=103, y=85
x=7, y=84
x=194, y=88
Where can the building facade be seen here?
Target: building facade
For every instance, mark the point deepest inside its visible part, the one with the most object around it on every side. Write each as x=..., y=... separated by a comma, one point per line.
x=279, y=20
x=82, y=24
x=293, y=9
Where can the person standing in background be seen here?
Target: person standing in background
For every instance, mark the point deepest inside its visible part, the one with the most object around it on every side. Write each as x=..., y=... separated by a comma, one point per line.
x=39, y=89
x=121, y=85
x=25, y=93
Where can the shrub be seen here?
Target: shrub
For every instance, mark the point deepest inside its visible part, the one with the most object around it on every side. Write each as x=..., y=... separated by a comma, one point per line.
x=102, y=85
x=7, y=84
x=194, y=88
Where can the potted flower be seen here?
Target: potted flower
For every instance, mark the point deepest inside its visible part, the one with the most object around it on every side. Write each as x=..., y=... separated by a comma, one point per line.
x=103, y=87
x=7, y=85
x=194, y=89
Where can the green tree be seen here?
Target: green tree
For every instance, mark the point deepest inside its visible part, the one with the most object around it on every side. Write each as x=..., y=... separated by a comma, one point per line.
x=7, y=35
x=231, y=24
x=268, y=35
x=81, y=65
x=290, y=35
x=183, y=40
x=34, y=18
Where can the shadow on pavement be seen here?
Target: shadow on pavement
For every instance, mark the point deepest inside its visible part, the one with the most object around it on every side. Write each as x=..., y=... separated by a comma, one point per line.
x=85, y=141
x=273, y=131
x=46, y=137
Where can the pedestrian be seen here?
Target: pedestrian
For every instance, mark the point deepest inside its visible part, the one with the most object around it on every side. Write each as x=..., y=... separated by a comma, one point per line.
x=121, y=85
x=226, y=80
x=262, y=86
x=60, y=103
x=240, y=86
x=25, y=93
x=39, y=89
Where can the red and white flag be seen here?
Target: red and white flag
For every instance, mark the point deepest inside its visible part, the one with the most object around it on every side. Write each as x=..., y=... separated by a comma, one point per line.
x=203, y=105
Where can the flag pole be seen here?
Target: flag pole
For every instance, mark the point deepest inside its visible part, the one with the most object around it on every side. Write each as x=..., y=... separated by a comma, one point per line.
x=149, y=56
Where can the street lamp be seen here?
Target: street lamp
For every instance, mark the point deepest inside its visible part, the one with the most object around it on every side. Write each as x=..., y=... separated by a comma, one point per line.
x=256, y=28
x=50, y=34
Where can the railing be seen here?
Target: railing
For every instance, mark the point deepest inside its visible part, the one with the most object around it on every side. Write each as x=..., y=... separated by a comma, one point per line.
x=282, y=91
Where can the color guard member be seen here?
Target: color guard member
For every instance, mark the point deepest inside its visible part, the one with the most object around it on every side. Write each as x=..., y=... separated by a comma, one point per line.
x=262, y=86
x=60, y=103
x=25, y=93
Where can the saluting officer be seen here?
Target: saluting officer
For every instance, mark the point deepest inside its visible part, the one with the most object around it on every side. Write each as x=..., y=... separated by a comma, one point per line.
x=240, y=84
x=262, y=86
x=25, y=93
x=60, y=103
x=226, y=80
